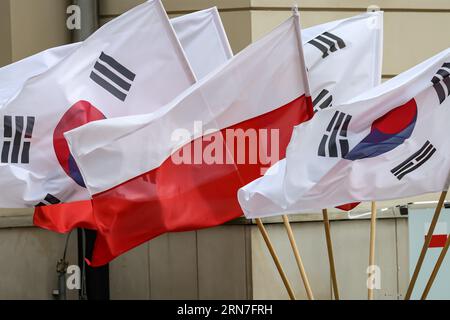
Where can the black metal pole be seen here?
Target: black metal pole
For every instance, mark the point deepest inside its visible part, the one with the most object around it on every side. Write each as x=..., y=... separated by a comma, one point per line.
x=95, y=281
x=89, y=19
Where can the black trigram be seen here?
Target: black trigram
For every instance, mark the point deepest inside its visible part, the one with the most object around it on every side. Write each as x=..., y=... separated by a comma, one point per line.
x=323, y=100
x=16, y=140
x=327, y=42
x=112, y=76
x=441, y=82
x=49, y=199
x=415, y=161
x=338, y=126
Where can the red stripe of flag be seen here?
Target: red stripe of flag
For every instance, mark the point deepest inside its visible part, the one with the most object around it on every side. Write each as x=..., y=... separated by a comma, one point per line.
x=179, y=197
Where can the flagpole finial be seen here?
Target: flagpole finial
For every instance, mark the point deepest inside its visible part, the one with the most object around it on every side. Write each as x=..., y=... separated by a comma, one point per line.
x=295, y=9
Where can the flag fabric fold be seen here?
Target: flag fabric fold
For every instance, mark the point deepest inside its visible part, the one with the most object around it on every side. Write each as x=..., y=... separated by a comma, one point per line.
x=384, y=144
x=14, y=76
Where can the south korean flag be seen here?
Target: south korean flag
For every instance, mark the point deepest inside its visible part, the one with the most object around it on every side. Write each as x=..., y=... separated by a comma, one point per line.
x=388, y=143
x=344, y=58
x=132, y=65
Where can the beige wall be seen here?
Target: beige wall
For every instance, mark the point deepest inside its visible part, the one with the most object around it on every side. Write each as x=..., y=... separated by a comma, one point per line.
x=228, y=262
x=37, y=25
x=351, y=250
x=234, y=13
x=233, y=262
x=5, y=33
x=30, y=26
x=28, y=259
x=413, y=30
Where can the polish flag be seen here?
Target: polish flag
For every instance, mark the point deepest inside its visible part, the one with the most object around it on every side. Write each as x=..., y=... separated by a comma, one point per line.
x=179, y=168
x=439, y=237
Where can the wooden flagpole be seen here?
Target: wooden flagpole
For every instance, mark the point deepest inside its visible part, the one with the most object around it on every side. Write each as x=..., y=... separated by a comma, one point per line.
x=275, y=258
x=426, y=244
x=298, y=257
x=373, y=223
x=326, y=223
x=436, y=269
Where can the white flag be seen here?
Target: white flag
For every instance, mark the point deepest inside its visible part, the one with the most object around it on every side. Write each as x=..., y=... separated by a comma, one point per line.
x=204, y=40
x=132, y=65
x=387, y=143
x=201, y=35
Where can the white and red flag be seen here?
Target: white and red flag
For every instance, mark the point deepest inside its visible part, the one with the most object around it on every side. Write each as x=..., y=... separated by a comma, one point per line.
x=180, y=167
x=387, y=143
x=132, y=65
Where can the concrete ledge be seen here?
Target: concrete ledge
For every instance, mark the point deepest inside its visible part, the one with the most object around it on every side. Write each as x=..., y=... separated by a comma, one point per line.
x=19, y=218
x=390, y=213
x=16, y=218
